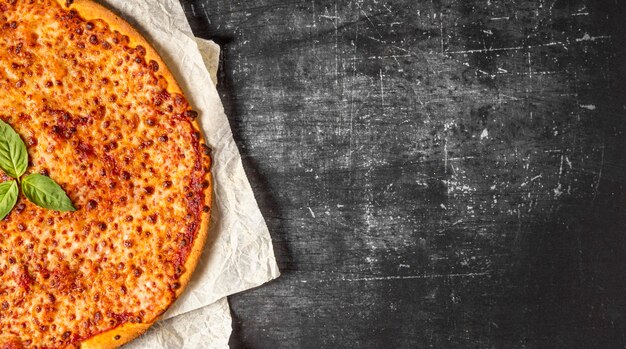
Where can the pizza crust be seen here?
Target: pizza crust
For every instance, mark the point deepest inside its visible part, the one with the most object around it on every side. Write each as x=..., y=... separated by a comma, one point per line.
x=90, y=10
x=116, y=337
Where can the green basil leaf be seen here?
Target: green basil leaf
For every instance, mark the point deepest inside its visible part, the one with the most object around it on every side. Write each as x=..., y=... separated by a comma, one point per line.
x=8, y=197
x=13, y=154
x=46, y=193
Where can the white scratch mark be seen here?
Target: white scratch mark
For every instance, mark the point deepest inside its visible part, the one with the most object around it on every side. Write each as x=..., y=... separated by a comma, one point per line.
x=530, y=75
x=381, y=57
x=507, y=97
x=445, y=156
x=368, y=19
x=441, y=30
x=336, y=46
x=485, y=134
x=552, y=7
x=496, y=49
x=519, y=224
x=382, y=90
x=534, y=73
x=595, y=193
x=443, y=206
x=513, y=48
x=454, y=170
x=312, y=214
x=569, y=163
x=462, y=158
x=314, y=19
x=557, y=191
x=500, y=18
x=405, y=277
x=485, y=73
x=206, y=14
x=352, y=103
x=369, y=37
x=587, y=37
x=588, y=106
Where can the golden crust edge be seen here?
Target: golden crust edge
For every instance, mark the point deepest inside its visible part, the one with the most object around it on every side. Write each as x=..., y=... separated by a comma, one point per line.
x=107, y=340
x=91, y=10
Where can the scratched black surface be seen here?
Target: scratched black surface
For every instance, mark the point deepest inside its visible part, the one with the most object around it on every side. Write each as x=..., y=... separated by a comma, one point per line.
x=444, y=174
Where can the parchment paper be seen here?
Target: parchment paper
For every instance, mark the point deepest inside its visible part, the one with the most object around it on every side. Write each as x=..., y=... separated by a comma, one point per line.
x=238, y=254
x=206, y=328
x=210, y=53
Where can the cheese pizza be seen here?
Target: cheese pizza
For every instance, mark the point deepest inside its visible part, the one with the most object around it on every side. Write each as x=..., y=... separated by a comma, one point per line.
x=101, y=115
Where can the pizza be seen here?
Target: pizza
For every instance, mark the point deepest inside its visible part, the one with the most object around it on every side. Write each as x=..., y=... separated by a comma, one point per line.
x=101, y=115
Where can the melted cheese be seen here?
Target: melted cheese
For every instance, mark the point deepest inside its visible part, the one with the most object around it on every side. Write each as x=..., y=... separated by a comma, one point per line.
x=99, y=120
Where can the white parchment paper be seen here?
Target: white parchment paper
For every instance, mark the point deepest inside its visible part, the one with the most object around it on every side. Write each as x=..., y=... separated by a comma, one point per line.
x=206, y=328
x=238, y=254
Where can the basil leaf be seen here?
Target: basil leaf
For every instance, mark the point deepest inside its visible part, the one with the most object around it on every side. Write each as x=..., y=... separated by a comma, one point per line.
x=8, y=197
x=13, y=154
x=46, y=193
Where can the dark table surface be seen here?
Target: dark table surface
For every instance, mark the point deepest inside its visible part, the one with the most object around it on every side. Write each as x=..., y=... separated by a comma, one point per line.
x=440, y=173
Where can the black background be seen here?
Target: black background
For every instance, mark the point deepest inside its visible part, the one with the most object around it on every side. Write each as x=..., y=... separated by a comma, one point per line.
x=444, y=174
